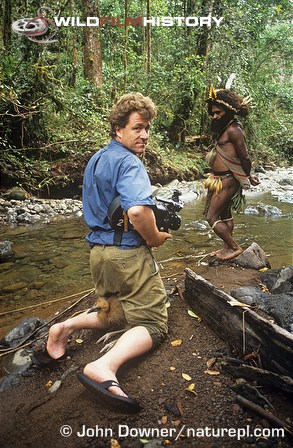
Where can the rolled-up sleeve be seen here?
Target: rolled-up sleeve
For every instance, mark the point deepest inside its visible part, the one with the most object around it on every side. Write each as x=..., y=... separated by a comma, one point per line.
x=133, y=183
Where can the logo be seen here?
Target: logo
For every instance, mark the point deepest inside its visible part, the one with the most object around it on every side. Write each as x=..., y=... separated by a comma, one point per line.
x=43, y=30
x=39, y=29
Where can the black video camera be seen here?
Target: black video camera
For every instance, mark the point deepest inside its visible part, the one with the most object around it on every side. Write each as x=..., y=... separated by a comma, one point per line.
x=164, y=210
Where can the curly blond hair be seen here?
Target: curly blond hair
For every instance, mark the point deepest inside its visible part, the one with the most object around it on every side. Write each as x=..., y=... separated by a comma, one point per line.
x=128, y=103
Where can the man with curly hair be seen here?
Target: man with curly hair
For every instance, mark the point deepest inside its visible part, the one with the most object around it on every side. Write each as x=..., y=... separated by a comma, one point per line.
x=122, y=263
x=231, y=167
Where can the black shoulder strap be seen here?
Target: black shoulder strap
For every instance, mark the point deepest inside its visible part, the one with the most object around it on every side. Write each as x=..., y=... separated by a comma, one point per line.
x=118, y=232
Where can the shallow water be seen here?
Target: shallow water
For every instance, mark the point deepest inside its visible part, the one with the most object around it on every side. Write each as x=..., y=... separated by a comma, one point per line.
x=52, y=260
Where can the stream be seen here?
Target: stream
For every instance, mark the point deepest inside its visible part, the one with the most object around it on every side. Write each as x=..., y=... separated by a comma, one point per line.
x=51, y=261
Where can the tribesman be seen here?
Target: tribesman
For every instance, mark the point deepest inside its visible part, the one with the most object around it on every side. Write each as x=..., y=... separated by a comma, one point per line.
x=230, y=165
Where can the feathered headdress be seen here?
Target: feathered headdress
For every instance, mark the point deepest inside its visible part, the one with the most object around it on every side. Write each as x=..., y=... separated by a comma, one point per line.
x=229, y=100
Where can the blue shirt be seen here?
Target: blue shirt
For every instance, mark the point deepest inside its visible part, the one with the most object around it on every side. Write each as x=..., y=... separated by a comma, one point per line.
x=113, y=171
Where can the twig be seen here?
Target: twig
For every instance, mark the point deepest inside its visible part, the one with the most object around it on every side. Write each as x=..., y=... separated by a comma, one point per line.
x=172, y=275
x=22, y=345
x=180, y=293
x=49, y=145
x=40, y=404
x=263, y=413
x=182, y=258
x=36, y=305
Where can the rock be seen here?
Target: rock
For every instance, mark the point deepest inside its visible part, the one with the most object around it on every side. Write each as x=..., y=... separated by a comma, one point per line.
x=18, y=362
x=269, y=277
x=253, y=257
x=16, y=193
x=7, y=382
x=21, y=332
x=6, y=252
x=284, y=281
x=278, y=280
x=14, y=287
x=278, y=306
x=260, y=169
x=34, y=210
x=189, y=190
x=264, y=210
x=251, y=295
x=286, y=181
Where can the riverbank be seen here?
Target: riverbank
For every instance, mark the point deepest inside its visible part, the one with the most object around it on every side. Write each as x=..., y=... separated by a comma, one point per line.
x=181, y=387
x=32, y=210
x=32, y=416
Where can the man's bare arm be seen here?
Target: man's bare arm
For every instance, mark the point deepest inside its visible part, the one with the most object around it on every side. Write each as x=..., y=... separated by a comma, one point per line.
x=236, y=137
x=144, y=222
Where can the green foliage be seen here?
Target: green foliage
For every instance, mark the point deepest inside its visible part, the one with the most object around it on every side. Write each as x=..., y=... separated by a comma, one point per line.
x=52, y=119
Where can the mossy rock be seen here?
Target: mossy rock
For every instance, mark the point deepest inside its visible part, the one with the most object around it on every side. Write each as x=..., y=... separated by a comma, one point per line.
x=18, y=193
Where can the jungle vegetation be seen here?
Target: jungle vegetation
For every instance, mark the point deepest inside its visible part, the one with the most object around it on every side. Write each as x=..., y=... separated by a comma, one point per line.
x=55, y=98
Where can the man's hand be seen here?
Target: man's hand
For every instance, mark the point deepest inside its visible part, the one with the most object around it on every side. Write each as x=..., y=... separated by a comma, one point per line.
x=143, y=220
x=158, y=239
x=254, y=180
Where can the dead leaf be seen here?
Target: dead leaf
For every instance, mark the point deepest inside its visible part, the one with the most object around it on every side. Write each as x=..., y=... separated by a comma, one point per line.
x=172, y=368
x=49, y=384
x=263, y=269
x=176, y=422
x=192, y=314
x=168, y=304
x=164, y=419
x=212, y=372
x=176, y=343
x=115, y=444
x=186, y=377
x=79, y=341
x=234, y=302
x=190, y=388
x=179, y=406
x=211, y=362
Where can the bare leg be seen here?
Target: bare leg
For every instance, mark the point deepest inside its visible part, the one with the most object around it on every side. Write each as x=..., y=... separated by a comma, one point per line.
x=230, y=226
x=218, y=209
x=131, y=344
x=59, y=333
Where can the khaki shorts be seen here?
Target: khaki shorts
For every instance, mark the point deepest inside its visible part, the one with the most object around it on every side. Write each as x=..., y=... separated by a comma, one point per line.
x=132, y=275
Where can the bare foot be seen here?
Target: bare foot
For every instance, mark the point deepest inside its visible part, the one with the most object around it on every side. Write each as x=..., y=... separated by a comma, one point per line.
x=228, y=254
x=216, y=252
x=92, y=370
x=58, y=336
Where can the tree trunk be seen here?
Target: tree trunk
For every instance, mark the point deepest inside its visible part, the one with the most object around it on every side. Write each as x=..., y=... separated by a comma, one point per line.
x=92, y=51
x=148, y=49
x=125, y=45
x=177, y=129
x=72, y=78
x=7, y=25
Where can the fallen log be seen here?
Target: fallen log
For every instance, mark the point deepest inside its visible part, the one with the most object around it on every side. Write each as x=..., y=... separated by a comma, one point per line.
x=241, y=327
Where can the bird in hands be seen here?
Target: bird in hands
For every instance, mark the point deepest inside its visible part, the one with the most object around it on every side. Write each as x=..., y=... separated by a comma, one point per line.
x=110, y=312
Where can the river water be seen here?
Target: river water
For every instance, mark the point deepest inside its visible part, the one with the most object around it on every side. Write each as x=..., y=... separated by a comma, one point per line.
x=52, y=260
